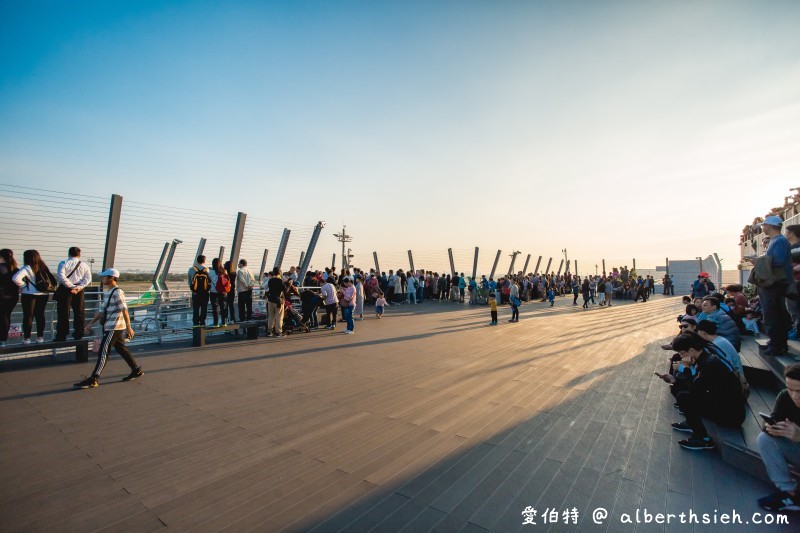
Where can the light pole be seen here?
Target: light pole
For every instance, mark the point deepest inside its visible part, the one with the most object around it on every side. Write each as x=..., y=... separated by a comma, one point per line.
x=566, y=260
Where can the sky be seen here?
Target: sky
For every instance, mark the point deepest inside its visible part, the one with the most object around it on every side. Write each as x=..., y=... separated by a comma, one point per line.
x=614, y=129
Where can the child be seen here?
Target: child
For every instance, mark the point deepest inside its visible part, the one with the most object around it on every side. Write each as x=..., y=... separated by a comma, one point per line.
x=380, y=302
x=750, y=323
x=551, y=295
x=493, y=308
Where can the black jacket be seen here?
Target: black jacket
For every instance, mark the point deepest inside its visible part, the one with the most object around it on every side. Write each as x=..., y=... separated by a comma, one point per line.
x=717, y=383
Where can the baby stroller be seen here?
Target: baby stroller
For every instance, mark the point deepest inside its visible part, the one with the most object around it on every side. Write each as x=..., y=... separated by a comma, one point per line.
x=293, y=320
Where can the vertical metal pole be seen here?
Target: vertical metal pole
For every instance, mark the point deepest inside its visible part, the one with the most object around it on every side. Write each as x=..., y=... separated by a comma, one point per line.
x=667, y=260
x=157, y=274
x=576, y=267
x=282, y=248
x=560, y=266
x=302, y=258
x=221, y=254
x=525, y=268
x=200, y=248
x=538, y=262
x=475, y=264
x=494, y=266
x=634, y=263
x=452, y=264
x=168, y=263
x=377, y=266
x=547, y=270
x=112, y=231
x=719, y=271
x=604, y=267
x=238, y=235
x=263, y=265
x=569, y=262
x=511, y=266
x=305, y=261
x=411, y=262
x=333, y=263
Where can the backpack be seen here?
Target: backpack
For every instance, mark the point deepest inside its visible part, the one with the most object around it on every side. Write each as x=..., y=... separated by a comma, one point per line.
x=223, y=285
x=200, y=281
x=44, y=281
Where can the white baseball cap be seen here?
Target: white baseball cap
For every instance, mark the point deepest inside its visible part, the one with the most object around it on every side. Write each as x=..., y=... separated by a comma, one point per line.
x=110, y=272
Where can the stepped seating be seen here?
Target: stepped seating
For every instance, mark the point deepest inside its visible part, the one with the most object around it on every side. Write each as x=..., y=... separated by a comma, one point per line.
x=765, y=375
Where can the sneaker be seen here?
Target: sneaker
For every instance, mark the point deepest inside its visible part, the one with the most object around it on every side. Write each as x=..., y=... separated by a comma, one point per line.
x=775, y=352
x=269, y=334
x=348, y=332
x=278, y=335
x=698, y=443
x=681, y=426
x=134, y=374
x=780, y=501
x=39, y=340
x=88, y=383
x=26, y=341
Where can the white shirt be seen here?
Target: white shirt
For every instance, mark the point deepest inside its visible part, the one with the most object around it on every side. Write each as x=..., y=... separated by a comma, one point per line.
x=81, y=276
x=30, y=286
x=328, y=294
x=244, y=280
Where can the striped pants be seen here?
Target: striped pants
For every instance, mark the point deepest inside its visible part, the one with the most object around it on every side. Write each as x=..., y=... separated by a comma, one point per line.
x=113, y=339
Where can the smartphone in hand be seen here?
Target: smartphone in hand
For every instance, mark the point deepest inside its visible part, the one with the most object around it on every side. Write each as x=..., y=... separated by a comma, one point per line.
x=767, y=418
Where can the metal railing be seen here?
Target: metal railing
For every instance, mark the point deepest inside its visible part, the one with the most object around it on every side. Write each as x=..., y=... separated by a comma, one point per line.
x=156, y=316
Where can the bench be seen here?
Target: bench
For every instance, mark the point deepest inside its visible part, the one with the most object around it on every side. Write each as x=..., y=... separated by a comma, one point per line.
x=81, y=347
x=199, y=333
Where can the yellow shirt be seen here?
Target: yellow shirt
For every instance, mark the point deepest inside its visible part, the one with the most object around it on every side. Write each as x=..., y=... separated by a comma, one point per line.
x=493, y=305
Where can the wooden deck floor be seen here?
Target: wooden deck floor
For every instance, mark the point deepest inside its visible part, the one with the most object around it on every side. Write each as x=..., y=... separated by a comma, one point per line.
x=426, y=420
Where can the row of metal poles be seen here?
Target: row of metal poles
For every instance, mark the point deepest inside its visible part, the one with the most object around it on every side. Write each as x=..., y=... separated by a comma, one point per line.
x=168, y=253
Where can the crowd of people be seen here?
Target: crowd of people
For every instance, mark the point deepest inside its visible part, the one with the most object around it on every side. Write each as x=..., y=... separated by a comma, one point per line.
x=704, y=372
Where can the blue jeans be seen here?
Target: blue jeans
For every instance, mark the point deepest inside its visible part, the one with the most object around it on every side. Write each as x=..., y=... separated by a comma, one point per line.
x=420, y=294
x=347, y=314
x=776, y=318
x=412, y=297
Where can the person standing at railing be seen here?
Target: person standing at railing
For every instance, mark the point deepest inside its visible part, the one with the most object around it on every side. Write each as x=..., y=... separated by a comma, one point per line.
x=9, y=292
x=230, y=298
x=73, y=277
x=35, y=280
x=200, y=285
x=220, y=287
x=245, y=281
x=275, y=301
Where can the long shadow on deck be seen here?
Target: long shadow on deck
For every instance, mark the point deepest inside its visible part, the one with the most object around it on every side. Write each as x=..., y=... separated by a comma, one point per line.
x=608, y=447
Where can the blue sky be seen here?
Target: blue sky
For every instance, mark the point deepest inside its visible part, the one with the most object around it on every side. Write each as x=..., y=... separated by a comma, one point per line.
x=615, y=129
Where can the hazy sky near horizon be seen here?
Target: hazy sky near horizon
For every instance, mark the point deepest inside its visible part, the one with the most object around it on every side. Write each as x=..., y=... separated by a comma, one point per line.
x=616, y=129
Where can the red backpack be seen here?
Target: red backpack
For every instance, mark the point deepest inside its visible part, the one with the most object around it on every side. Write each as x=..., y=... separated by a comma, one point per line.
x=223, y=285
